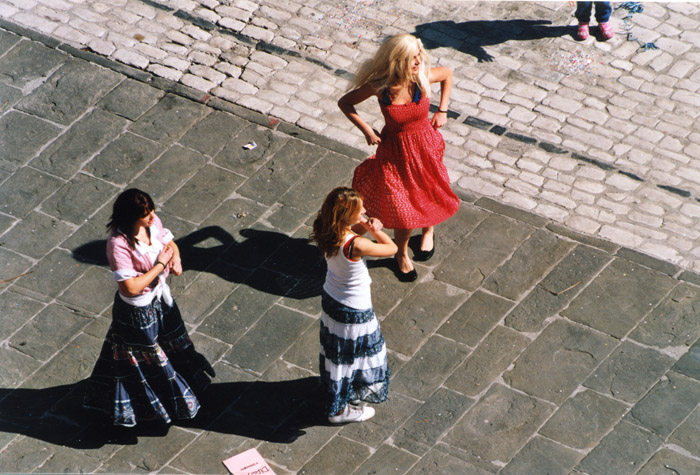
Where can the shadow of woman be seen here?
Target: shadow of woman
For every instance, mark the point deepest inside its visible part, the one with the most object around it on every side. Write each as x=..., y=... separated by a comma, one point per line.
x=470, y=37
x=269, y=411
x=268, y=261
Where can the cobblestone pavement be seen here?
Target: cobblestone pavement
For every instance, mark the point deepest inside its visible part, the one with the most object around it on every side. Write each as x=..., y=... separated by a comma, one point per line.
x=524, y=347
x=602, y=137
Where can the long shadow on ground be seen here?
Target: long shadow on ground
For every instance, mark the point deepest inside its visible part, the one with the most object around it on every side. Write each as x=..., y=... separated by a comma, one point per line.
x=270, y=411
x=470, y=37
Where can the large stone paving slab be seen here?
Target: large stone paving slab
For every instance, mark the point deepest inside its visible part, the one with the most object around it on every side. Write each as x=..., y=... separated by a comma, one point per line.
x=21, y=136
x=619, y=298
x=499, y=424
x=559, y=360
x=69, y=92
x=65, y=156
x=27, y=62
x=483, y=255
x=557, y=289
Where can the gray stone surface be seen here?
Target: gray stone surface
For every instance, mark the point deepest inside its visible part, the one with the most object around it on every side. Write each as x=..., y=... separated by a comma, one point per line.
x=583, y=420
x=53, y=273
x=629, y=372
x=66, y=155
x=386, y=460
x=209, y=187
x=341, y=455
x=685, y=435
x=124, y=158
x=264, y=344
x=36, y=235
x=21, y=137
x=538, y=254
x=499, y=424
x=671, y=324
x=27, y=62
x=557, y=289
x=130, y=99
x=624, y=450
x=561, y=357
x=168, y=119
x=525, y=346
x=475, y=318
x=48, y=332
x=212, y=133
x=665, y=460
x=167, y=173
x=430, y=367
x=541, y=455
x=667, y=404
x=441, y=460
x=78, y=199
x=619, y=298
x=420, y=314
x=7, y=41
x=425, y=427
x=69, y=92
x=483, y=255
x=689, y=363
x=488, y=361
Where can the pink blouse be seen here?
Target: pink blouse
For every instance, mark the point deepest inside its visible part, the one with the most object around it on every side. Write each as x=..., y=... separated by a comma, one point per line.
x=127, y=262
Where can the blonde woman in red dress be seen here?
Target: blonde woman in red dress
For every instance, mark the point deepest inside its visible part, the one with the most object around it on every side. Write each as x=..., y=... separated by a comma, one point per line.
x=405, y=184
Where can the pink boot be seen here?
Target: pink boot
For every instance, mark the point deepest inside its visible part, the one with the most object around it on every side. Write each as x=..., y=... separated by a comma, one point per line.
x=582, y=33
x=606, y=30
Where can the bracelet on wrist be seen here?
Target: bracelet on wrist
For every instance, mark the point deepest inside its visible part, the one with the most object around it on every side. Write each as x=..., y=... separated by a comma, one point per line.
x=444, y=112
x=158, y=262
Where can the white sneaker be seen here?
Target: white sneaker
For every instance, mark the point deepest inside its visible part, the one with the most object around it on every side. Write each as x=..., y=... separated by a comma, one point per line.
x=352, y=414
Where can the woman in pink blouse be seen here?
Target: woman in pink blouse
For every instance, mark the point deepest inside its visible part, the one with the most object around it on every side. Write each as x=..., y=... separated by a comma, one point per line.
x=148, y=367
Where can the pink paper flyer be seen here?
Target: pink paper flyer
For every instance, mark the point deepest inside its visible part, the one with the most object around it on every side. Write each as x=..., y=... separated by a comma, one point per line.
x=249, y=462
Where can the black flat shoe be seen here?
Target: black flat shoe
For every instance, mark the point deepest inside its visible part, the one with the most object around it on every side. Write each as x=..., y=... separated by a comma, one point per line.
x=421, y=256
x=410, y=276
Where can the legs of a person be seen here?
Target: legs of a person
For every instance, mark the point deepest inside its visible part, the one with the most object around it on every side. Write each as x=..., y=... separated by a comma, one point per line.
x=583, y=11
x=583, y=15
x=602, y=16
x=401, y=237
x=427, y=243
x=603, y=10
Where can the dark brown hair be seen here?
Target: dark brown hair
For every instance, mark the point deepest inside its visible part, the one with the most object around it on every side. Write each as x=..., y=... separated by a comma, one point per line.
x=130, y=206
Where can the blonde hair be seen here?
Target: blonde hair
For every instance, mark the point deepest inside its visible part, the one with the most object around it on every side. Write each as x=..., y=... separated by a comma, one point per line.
x=339, y=208
x=392, y=65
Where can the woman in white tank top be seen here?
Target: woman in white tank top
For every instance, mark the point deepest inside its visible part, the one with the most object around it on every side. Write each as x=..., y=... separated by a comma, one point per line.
x=353, y=361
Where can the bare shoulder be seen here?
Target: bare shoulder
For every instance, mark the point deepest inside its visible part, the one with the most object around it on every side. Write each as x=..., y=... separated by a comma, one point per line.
x=439, y=74
x=358, y=95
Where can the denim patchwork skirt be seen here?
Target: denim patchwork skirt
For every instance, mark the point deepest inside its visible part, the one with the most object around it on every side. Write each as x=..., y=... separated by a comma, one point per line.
x=148, y=368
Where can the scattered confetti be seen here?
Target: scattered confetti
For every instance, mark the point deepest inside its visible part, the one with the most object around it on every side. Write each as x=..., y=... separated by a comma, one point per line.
x=576, y=62
x=351, y=14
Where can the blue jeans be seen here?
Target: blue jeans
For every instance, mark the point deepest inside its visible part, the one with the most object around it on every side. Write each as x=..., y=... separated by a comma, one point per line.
x=602, y=11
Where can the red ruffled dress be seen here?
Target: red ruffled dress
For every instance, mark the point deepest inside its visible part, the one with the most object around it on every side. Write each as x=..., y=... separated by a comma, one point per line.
x=405, y=184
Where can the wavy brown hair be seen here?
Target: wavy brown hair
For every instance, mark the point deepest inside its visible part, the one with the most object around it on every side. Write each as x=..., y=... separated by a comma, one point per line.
x=130, y=206
x=338, y=210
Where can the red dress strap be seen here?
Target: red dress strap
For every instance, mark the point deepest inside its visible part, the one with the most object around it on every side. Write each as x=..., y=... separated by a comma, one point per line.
x=348, y=247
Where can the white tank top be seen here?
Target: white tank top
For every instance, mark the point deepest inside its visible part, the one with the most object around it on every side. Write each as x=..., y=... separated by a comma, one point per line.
x=348, y=282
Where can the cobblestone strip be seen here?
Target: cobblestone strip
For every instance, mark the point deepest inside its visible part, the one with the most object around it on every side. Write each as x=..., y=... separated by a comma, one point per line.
x=516, y=67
